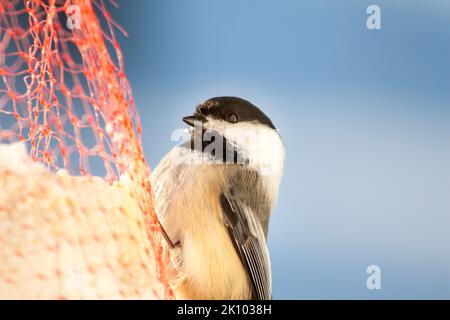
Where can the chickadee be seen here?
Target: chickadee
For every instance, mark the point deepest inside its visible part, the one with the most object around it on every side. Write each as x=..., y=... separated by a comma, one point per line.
x=214, y=203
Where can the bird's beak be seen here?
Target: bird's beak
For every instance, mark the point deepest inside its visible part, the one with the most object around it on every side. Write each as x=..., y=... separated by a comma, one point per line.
x=191, y=120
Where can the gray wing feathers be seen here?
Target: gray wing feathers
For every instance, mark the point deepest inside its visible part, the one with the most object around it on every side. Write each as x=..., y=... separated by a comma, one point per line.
x=250, y=242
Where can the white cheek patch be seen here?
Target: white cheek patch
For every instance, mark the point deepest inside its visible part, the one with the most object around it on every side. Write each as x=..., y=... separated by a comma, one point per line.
x=260, y=144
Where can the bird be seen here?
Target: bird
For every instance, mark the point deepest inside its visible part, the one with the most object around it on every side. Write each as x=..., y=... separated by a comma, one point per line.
x=213, y=195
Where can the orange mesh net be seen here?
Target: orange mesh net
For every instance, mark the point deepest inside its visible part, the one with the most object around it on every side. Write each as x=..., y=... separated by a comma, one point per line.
x=64, y=94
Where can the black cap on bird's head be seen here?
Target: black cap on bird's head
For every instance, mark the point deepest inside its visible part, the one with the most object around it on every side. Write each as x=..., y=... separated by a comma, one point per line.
x=230, y=110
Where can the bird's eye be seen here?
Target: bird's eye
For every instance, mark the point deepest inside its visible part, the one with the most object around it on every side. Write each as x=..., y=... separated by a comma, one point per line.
x=233, y=118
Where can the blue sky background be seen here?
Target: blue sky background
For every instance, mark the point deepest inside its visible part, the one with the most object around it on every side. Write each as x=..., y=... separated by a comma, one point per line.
x=364, y=116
